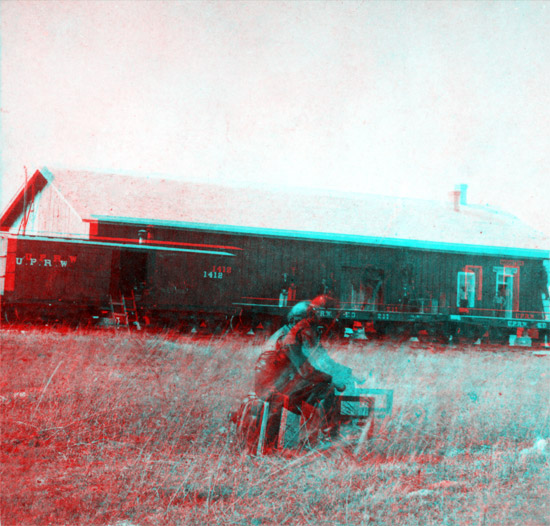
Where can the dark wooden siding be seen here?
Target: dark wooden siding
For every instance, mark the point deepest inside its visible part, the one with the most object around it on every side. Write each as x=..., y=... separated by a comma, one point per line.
x=433, y=274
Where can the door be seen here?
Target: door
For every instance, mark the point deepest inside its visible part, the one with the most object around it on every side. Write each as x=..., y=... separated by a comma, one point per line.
x=466, y=290
x=507, y=291
x=362, y=288
x=7, y=264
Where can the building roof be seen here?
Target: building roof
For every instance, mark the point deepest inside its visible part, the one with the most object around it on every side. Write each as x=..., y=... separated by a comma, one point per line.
x=317, y=214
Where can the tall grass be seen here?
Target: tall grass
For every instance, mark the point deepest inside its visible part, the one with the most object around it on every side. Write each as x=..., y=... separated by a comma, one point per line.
x=118, y=428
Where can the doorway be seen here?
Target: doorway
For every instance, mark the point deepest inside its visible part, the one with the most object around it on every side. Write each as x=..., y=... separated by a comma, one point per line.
x=128, y=272
x=507, y=290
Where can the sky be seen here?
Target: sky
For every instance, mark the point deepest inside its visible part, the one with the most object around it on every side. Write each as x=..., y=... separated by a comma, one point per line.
x=393, y=98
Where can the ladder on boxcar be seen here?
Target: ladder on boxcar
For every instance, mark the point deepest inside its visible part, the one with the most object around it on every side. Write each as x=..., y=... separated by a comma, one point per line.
x=124, y=311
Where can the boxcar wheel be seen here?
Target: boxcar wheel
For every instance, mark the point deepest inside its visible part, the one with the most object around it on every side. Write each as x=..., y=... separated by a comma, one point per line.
x=498, y=335
x=469, y=334
x=380, y=329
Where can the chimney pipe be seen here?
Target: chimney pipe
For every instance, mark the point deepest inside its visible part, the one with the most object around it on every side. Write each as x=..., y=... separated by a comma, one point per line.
x=456, y=200
x=458, y=196
x=142, y=236
x=462, y=189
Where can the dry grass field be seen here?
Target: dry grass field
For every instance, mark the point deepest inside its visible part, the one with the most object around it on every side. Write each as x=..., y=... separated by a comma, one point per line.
x=104, y=428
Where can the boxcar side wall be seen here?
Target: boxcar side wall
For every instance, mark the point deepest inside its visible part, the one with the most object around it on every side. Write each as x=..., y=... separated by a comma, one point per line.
x=54, y=271
x=419, y=279
x=422, y=279
x=180, y=282
x=51, y=279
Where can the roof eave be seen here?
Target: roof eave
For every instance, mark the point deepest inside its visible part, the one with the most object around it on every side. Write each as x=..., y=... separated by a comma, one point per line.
x=335, y=238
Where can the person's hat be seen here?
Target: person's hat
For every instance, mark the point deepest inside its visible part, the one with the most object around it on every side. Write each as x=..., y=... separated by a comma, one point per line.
x=298, y=312
x=321, y=302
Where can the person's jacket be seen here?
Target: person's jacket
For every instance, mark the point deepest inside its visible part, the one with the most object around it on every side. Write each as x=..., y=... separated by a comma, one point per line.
x=303, y=347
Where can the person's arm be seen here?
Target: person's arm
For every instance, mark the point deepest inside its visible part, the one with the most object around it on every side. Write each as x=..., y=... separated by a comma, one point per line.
x=341, y=374
x=276, y=336
x=299, y=353
x=321, y=360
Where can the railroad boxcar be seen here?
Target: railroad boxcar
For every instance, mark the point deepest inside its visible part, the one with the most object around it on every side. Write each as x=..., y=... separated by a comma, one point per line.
x=443, y=288
x=74, y=280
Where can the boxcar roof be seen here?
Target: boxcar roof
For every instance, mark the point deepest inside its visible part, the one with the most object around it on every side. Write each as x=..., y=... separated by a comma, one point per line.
x=317, y=214
x=126, y=246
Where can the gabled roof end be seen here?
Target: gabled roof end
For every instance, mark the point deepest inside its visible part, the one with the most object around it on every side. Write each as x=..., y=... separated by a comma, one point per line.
x=17, y=204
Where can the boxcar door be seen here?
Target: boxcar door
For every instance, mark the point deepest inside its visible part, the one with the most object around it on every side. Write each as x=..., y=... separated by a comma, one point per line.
x=362, y=288
x=353, y=292
x=3, y=262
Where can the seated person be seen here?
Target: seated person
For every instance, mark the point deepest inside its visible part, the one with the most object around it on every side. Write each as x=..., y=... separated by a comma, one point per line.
x=299, y=368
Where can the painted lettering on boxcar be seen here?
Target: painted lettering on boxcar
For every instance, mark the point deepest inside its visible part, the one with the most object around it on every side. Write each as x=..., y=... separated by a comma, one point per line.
x=45, y=260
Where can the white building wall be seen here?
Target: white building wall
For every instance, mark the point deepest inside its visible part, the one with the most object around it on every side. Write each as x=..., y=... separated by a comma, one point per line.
x=50, y=214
